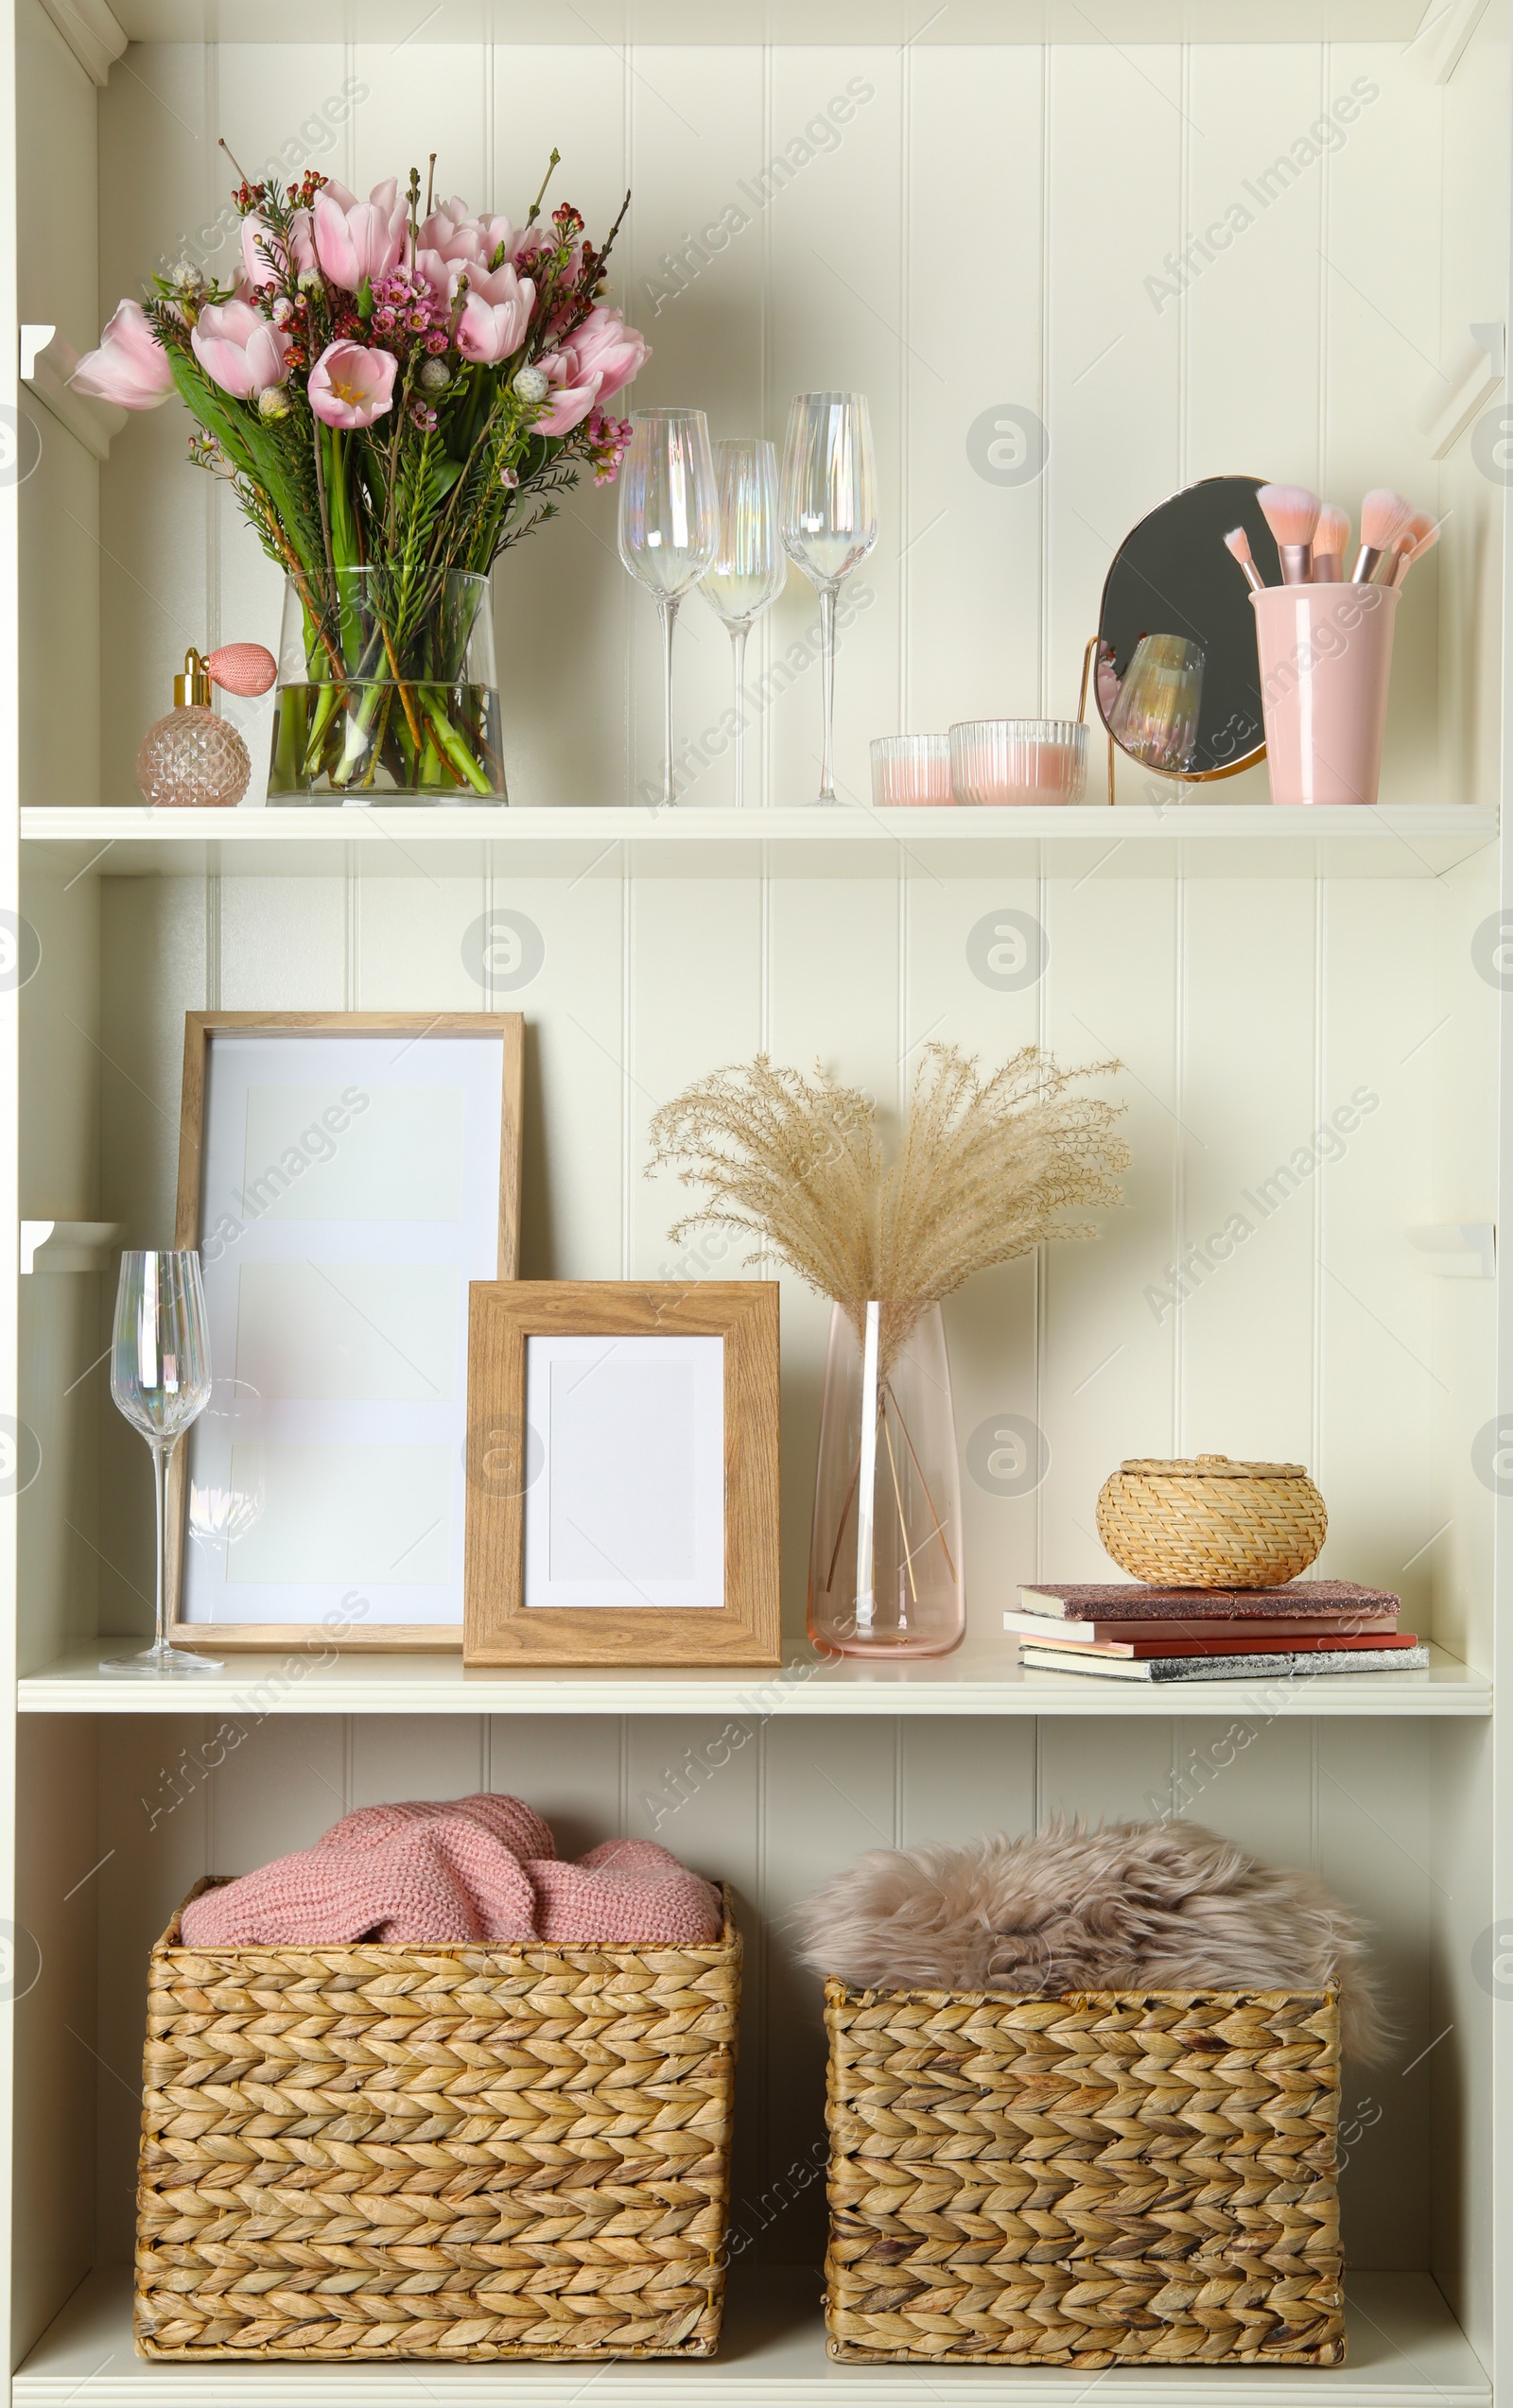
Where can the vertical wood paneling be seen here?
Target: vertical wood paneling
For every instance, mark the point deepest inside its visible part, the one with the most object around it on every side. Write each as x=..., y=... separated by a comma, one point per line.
x=835, y=247
x=1108, y=1366
x=395, y=1757
x=562, y=600
x=1378, y=1386
x=1115, y=371
x=681, y=1029
x=976, y=132
x=1247, y=1300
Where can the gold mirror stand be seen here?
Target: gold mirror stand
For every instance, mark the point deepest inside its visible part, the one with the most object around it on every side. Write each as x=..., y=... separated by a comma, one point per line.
x=1088, y=654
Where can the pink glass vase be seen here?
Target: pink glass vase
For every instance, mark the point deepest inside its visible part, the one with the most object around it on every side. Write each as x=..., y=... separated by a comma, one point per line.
x=885, y=1551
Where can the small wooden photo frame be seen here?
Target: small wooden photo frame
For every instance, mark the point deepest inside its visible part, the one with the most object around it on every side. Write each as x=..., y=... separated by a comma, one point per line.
x=622, y=1479
x=344, y=1177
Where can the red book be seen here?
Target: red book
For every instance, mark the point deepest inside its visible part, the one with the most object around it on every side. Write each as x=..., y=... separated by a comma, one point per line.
x=1319, y=1643
x=1316, y=1600
x=1273, y=1630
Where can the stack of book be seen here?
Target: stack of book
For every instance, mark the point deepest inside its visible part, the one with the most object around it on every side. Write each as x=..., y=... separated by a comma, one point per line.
x=1125, y=1631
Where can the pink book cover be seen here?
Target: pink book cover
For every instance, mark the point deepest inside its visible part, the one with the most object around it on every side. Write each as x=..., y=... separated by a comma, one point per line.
x=1329, y=1600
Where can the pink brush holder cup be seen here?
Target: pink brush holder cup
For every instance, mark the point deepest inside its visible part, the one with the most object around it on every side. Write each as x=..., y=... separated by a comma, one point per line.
x=1326, y=663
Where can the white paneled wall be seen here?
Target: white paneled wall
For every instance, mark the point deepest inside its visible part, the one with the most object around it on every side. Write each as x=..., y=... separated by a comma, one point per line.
x=988, y=229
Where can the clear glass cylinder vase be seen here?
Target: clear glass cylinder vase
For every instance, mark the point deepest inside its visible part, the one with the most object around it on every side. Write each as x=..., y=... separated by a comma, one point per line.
x=387, y=692
x=885, y=1551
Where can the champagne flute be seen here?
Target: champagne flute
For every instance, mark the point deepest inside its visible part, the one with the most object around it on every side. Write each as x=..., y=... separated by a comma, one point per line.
x=160, y=1379
x=829, y=517
x=749, y=569
x=667, y=525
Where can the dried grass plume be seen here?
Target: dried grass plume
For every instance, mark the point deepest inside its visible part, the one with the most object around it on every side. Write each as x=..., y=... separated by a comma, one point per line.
x=987, y=1168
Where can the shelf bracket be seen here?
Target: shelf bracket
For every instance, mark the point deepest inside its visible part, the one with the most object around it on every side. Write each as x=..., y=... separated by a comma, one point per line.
x=67, y=1245
x=92, y=34
x=1459, y=391
x=1467, y=1249
x=46, y=364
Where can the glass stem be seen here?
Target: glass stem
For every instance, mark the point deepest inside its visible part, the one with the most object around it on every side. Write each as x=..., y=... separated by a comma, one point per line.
x=162, y=1457
x=828, y=690
x=667, y=606
x=737, y=649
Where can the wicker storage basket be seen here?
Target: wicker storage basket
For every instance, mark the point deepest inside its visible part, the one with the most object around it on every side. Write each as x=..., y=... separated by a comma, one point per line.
x=1209, y=1523
x=1075, y=2181
x=447, y=2153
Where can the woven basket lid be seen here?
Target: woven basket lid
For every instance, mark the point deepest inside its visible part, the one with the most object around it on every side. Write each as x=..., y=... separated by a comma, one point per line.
x=1214, y=1467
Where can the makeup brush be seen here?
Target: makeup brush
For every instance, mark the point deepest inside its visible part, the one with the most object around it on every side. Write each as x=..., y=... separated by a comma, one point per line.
x=1292, y=513
x=1417, y=537
x=1237, y=542
x=1329, y=539
x=1383, y=516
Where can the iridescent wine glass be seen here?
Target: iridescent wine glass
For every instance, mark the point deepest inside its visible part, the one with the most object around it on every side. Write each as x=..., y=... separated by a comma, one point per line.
x=667, y=525
x=160, y=1379
x=829, y=517
x=749, y=569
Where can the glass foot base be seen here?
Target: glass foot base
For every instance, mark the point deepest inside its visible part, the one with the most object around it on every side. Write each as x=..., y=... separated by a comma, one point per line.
x=159, y=1662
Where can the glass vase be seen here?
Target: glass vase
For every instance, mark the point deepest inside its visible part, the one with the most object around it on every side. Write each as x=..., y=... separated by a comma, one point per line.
x=885, y=1551
x=388, y=692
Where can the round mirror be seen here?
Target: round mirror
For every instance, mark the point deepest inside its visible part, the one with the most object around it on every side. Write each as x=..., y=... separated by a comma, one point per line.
x=1177, y=679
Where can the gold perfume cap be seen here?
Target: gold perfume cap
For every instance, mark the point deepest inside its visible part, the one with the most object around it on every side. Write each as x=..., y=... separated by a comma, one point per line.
x=194, y=685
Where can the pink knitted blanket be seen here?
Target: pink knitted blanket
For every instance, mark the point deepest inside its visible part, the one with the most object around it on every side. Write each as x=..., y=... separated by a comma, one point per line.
x=464, y=1868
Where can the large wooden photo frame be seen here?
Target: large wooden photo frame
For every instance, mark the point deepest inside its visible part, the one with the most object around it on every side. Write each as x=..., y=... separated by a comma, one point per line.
x=340, y=1214
x=622, y=1498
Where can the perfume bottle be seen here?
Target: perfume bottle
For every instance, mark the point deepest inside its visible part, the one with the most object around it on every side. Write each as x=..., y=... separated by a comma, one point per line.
x=192, y=755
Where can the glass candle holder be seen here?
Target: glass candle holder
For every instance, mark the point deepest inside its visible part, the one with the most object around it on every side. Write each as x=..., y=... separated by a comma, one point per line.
x=910, y=768
x=995, y=761
x=1155, y=717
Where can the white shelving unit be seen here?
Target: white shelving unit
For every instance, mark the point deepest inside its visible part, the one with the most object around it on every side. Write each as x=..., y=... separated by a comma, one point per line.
x=995, y=227
x=317, y=1681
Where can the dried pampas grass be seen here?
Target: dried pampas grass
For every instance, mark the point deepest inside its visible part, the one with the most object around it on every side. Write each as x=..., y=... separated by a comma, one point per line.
x=985, y=1170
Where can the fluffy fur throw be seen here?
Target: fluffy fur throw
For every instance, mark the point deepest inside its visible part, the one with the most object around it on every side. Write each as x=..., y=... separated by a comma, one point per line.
x=1132, y=1906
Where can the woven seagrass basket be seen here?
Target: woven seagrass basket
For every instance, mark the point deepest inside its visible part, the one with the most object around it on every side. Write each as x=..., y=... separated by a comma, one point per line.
x=1207, y=1522
x=1077, y=2181
x=467, y=2153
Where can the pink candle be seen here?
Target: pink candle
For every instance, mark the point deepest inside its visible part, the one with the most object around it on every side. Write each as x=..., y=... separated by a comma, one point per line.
x=910, y=768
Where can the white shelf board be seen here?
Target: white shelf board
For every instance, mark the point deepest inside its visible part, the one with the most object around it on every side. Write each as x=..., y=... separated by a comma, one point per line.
x=982, y=1680
x=1404, y=2350
x=1081, y=840
x=784, y=21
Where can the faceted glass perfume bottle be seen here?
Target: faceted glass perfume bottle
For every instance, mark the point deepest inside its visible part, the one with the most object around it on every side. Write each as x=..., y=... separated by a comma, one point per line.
x=192, y=755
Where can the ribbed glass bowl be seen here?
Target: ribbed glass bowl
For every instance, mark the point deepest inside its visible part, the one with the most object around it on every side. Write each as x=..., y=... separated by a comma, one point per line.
x=1019, y=760
x=910, y=768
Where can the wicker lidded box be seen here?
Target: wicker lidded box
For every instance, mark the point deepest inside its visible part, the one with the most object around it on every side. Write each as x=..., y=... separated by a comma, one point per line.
x=1206, y=1521
x=456, y=2154
x=1078, y=2181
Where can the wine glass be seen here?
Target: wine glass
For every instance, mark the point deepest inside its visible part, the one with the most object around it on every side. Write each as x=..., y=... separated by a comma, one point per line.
x=829, y=516
x=667, y=525
x=160, y=1379
x=748, y=569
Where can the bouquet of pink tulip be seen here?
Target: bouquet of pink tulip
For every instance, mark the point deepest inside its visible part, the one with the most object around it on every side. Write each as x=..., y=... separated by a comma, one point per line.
x=396, y=400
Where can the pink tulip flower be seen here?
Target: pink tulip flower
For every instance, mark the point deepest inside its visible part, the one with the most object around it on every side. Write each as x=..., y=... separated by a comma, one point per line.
x=571, y=399
x=451, y=232
x=606, y=347
x=265, y=261
x=358, y=244
x=494, y=315
x=350, y=385
x=234, y=344
x=131, y=368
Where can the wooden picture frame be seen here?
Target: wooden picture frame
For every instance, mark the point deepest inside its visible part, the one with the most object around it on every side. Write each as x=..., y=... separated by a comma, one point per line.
x=506, y=1456
x=347, y=1628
